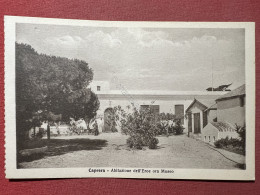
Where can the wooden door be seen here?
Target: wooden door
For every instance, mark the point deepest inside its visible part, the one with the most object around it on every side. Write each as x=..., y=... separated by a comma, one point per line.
x=197, y=123
x=108, y=120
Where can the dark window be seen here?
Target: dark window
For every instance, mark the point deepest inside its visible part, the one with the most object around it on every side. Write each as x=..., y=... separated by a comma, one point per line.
x=205, y=118
x=98, y=88
x=144, y=107
x=179, y=112
x=155, y=109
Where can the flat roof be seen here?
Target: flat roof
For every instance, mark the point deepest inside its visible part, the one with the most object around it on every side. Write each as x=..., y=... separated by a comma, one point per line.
x=159, y=95
x=162, y=92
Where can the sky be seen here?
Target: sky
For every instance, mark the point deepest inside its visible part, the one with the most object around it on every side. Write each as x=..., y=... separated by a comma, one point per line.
x=147, y=58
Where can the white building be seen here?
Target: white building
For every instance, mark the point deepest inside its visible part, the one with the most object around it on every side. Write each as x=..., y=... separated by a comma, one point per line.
x=200, y=113
x=230, y=111
x=175, y=102
x=214, y=131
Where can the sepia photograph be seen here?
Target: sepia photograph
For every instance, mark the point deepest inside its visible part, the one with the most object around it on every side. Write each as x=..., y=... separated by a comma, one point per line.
x=129, y=99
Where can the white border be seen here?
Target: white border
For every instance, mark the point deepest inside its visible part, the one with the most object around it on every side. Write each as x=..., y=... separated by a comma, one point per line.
x=207, y=174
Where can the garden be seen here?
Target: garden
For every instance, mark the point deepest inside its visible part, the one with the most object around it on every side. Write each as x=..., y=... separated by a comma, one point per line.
x=236, y=145
x=55, y=91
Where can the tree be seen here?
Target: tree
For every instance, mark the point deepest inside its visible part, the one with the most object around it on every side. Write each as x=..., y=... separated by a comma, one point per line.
x=140, y=125
x=51, y=84
x=241, y=130
x=84, y=108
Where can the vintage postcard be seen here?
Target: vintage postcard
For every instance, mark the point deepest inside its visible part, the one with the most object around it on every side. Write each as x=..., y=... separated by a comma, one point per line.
x=164, y=100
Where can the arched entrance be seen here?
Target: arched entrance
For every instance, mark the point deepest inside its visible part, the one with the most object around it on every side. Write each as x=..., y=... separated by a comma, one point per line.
x=109, y=121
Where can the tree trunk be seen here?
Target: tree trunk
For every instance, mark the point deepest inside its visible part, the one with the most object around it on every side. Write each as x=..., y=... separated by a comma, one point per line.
x=34, y=133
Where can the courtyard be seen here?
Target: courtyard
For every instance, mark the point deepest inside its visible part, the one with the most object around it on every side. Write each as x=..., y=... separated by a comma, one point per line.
x=110, y=150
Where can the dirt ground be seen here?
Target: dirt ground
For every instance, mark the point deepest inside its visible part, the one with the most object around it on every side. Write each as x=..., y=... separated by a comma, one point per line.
x=110, y=150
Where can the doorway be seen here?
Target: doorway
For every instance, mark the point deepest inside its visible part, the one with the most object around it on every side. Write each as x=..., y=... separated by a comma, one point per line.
x=197, y=123
x=109, y=120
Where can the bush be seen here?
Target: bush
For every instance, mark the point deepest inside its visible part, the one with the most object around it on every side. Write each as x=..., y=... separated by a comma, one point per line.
x=113, y=129
x=75, y=130
x=222, y=143
x=171, y=129
x=153, y=143
x=165, y=127
x=242, y=135
x=39, y=134
x=231, y=144
x=161, y=129
x=140, y=125
x=138, y=142
x=135, y=142
x=178, y=128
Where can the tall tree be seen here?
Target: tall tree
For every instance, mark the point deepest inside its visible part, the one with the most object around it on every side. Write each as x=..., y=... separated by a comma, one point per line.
x=51, y=84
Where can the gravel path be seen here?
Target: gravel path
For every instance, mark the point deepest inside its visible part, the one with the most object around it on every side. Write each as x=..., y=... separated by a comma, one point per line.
x=109, y=150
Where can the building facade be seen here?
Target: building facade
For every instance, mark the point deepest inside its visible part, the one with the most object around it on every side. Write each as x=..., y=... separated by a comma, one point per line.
x=175, y=102
x=200, y=113
x=214, y=131
x=231, y=107
x=230, y=111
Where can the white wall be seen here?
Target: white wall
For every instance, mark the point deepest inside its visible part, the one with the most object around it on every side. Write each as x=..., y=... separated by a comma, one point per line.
x=166, y=106
x=165, y=99
x=212, y=114
x=104, y=87
x=209, y=134
x=231, y=111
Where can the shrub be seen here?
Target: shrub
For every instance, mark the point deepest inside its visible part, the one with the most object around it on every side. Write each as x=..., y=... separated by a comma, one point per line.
x=171, y=129
x=178, y=128
x=140, y=125
x=165, y=127
x=218, y=144
x=242, y=135
x=161, y=129
x=222, y=143
x=113, y=129
x=153, y=143
x=75, y=130
x=39, y=134
x=135, y=142
x=231, y=144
